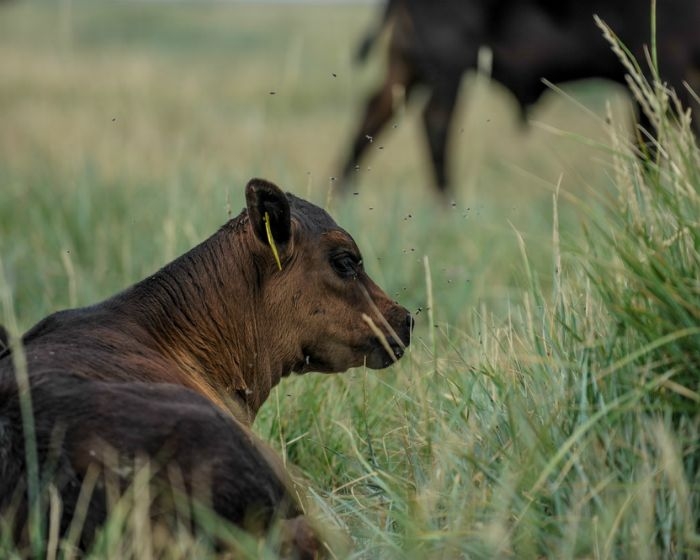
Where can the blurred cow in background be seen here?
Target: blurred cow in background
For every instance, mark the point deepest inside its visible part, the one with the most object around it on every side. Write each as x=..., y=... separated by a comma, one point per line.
x=433, y=44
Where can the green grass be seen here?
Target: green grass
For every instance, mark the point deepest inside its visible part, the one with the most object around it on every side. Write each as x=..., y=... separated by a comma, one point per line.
x=548, y=404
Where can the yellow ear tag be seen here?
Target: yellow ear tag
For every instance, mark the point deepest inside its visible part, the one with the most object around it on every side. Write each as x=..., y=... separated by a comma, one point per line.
x=271, y=241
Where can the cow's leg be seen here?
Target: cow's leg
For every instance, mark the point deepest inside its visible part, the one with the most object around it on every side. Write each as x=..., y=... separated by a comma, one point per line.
x=690, y=74
x=437, y=118
x=693, y=79
x=675, y=75
x=644, y=133
x=379, y=109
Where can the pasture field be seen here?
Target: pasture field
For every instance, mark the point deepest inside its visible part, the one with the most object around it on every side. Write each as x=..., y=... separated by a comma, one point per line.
x=548, y=405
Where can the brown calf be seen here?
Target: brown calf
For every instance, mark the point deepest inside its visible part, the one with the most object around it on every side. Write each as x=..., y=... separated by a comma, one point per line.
x=174, y=367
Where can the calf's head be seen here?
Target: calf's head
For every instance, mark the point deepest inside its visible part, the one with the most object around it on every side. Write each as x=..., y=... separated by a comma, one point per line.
x=316, y=297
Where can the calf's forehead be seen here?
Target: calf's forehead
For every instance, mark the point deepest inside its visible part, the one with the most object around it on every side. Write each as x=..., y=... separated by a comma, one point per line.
x=314, y=220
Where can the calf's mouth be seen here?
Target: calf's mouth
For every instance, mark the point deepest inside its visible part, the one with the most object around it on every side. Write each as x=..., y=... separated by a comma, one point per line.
x=379, y=358
x=378, y=351
x=373, y=355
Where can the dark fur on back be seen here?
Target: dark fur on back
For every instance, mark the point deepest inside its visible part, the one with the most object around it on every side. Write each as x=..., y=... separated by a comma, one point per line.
x=169, y=424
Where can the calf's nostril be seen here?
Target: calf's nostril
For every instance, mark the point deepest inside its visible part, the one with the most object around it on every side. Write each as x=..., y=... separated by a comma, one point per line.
x=410, y=322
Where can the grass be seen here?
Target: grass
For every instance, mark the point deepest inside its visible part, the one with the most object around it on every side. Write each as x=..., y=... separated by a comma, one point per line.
x=548, y=404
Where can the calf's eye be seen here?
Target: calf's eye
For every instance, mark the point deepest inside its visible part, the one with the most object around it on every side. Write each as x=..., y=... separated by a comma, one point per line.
x=346, y=265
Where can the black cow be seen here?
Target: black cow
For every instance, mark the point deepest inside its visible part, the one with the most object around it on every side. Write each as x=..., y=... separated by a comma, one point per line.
x=434, y=43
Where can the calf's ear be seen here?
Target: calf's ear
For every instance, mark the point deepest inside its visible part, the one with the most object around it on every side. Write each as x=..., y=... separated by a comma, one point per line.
x=263, y=197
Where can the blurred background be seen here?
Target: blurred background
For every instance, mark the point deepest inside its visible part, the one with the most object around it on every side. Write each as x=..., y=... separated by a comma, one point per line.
x=547, y=406
x=129, y=128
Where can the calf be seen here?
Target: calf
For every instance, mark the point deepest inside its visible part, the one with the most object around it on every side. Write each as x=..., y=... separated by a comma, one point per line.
x=174, y=368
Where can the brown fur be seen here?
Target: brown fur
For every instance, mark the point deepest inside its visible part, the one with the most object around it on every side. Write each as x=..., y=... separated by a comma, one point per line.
x=161, y=369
